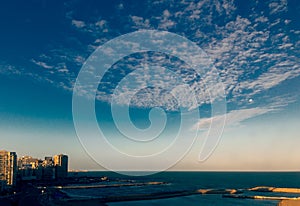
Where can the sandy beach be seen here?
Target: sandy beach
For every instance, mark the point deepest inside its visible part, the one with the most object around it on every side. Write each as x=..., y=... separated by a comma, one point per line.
x=289, y=203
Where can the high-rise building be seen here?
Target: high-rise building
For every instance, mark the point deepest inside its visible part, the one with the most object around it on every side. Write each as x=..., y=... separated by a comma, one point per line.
x=48, y=162
x=47, y=170
x=27, y=161
x=2, y=185
x=61, y=166
x=27, y=167
x=8, y=167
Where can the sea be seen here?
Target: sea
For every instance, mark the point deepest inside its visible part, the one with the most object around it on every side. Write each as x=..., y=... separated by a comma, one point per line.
x=189, y=181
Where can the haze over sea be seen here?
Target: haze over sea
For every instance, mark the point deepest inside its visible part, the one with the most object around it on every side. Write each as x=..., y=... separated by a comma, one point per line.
x=180, y=181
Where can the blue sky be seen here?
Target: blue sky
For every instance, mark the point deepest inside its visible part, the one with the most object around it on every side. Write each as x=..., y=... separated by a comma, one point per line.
x=254, y=46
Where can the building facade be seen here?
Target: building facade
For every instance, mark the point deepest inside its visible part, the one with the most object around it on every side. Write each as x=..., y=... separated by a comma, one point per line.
x=2, y=185
x=61, y=166
x=8, y=167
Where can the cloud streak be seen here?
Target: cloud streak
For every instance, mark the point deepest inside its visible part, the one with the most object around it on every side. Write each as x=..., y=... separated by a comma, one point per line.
x=233, y=118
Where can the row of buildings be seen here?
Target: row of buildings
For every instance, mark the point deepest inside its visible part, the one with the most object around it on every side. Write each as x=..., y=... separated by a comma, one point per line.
x=29, y=168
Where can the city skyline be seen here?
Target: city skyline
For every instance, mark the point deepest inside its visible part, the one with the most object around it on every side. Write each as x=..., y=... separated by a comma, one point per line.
x=14, y=169
x=254, y=48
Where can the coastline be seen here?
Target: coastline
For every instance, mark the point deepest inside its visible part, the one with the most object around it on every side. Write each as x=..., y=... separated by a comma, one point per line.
x=172, y=186
x=219, y=188
x=223, y=193
x=140, y=197
x=289, y=203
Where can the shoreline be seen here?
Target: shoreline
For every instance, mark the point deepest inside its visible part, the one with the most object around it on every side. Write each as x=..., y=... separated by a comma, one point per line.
x=149, y=196
x=108, y=185
x=225, y=193
x=289, y=203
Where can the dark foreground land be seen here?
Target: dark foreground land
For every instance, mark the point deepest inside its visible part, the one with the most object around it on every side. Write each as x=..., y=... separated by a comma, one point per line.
x=38, y=193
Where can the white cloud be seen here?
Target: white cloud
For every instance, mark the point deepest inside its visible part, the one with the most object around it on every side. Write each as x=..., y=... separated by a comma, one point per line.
x=250, y=54
x=261, y=19
x=42, y=64
x=100, y=23
x=236, y=117
x=233, y=118
x=7, y=69
x=78, y=24
x=278, y=6
x=236, y=53
x=276, y=74
x=140, y=22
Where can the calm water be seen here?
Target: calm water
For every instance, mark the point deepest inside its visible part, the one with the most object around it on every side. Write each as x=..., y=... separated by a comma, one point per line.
x=195, y=180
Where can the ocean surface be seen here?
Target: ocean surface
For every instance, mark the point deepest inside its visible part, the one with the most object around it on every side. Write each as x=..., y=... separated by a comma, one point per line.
x=187, y=181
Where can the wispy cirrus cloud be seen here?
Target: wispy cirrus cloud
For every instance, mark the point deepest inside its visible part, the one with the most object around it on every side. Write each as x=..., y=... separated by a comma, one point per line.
x=237, y=54
x=236, y=117
x=233, y=118
x=42, y=64
x=253, y=52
